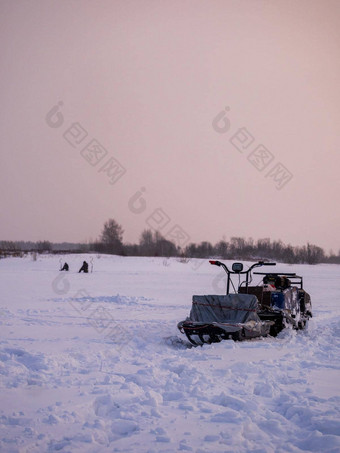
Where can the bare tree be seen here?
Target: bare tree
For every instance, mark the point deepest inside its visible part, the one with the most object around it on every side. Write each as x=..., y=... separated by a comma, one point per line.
x=112, y=237
x=146, y=243
x=154, y=244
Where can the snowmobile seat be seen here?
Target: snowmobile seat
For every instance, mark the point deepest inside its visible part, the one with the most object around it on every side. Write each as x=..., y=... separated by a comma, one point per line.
x=264, y=297
x=254, y=290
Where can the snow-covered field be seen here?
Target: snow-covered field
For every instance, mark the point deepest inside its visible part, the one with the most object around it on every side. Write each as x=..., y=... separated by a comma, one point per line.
x=95, y=363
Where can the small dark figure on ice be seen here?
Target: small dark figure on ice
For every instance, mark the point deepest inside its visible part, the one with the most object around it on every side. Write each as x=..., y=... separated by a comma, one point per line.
x=65, y=267
x=84, y=268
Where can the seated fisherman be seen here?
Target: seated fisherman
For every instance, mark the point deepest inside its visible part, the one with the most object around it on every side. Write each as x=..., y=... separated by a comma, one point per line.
x=84, y=268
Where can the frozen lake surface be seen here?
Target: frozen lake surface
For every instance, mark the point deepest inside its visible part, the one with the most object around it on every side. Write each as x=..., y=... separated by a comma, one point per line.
x=95, y=363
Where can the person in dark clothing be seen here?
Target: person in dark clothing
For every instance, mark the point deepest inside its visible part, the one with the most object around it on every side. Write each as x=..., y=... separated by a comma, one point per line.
x=65, y=267
x=84, y=268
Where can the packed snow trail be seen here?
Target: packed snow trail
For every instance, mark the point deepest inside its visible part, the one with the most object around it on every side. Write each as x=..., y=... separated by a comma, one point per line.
x=95, y=362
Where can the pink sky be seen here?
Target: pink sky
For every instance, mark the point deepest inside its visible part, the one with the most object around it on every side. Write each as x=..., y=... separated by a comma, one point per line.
x=146, y=81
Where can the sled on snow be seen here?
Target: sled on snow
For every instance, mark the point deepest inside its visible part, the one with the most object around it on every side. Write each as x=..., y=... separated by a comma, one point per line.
x=277, y=301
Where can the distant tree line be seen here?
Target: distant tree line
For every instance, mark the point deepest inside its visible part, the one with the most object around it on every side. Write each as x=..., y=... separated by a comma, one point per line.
x=17, y=247
x=152, y=243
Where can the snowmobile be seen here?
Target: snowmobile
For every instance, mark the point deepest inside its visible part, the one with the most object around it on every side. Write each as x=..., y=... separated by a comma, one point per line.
x=276, y=302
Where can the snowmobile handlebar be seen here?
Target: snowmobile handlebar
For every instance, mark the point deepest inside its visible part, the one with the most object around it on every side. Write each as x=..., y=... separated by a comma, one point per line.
x=216, y=263
x=258, y=264
x=237, y=269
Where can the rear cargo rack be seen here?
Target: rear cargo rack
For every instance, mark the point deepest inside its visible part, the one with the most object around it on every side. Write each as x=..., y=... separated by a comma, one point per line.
x=295, y=279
